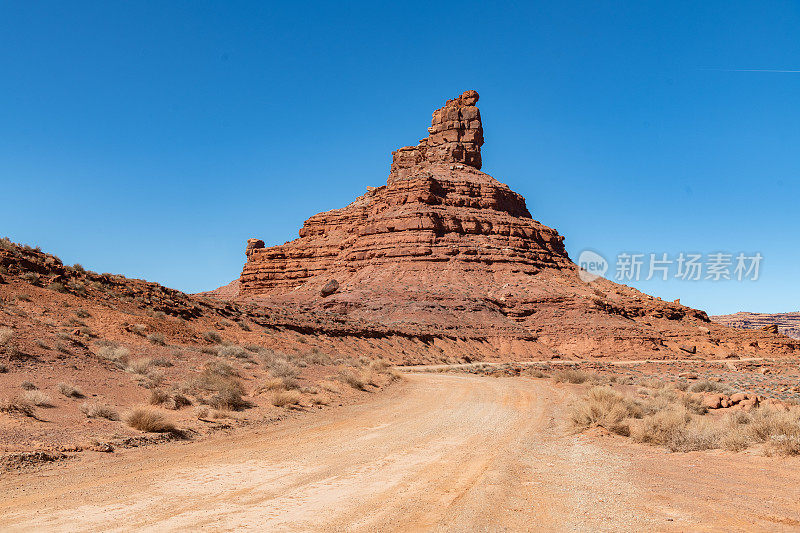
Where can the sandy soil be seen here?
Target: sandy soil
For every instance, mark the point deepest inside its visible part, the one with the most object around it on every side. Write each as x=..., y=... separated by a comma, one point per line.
x=442, y=452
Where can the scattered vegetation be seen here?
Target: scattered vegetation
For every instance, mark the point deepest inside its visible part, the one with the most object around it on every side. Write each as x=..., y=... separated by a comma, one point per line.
x=96, y=410
x=5, y=335
x=70, y=391
x=18, y=406
x=37, y=398
x=212, y=336
x=157, y=339
x=286, y=398
x=571, y=375
x=150, y=420
x=115, y=354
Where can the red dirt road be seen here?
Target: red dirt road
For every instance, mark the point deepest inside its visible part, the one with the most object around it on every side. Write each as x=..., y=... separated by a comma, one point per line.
x=439, y=452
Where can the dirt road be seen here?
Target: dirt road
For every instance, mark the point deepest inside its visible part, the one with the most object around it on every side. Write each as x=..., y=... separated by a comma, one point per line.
x=441, y=452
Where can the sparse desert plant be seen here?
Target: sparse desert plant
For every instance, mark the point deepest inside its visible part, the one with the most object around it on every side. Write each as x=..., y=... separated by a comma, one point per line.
x=705, y=386
x=353, y=379
x=212, y=336
x=229, y=397
x=282, y=368
x=27, y=385
x=138, y=329
x=3, y=368
x=604, y=407
x=139, y=366
x=115, y=354
x=157, y=338
x=232, y=350
x=286, y=398
x=57, y=286
x=5, y=335
x=18, y=406
x=316, y=357
x=161, y=362
x=380, y=365
x=24, y=297
x=571, y=375
x=82, y=313
x=69, y=390
x=149, y=420
x=37, y=398
x=96, y=410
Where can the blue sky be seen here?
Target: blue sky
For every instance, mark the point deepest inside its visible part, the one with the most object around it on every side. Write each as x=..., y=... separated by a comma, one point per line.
x=153, y=138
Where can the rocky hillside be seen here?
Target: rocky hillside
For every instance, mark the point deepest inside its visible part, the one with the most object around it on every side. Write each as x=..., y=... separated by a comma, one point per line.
x=786, y=323
x=83, y=354
x=447, y=255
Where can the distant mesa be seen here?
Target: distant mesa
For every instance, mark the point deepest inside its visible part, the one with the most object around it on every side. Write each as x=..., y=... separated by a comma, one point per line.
x=444, y=253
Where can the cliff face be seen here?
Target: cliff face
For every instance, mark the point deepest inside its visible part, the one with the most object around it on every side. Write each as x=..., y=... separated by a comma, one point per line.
x=444, y=250
x=786, y=323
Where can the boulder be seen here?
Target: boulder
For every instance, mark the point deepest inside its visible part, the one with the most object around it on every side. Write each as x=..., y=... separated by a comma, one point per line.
x=329, y=288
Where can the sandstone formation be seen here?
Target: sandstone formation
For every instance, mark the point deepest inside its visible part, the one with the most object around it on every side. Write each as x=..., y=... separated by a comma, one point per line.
x=785, y=323
x=446, y=254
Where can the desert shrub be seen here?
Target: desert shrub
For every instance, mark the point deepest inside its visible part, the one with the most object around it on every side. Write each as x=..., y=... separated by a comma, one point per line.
x=243, y=325
x=57, y=286
x=70, y=391
x=27, y=385
x=172, y=400
x=23, y=297
x=277, y=384
x=232, y=350
x=37, y=398
x=150, y=420
x=316, y=357
x=157, y=338
x=212, y=336
x=82, y=313
x=229, y=397
x=380, y=365
x=252, y=348
x=705, y=386
x=17, y=406
x=158, y=361
x=138, y=329
x=286, y=398
x=571, y=375
x=115, y=354
x=138, y=366
x=77, y=267
x=3, y=368
x=353, y=379
x=282, y=368
x=96, y=410
x=604, y=407
x=5, y=335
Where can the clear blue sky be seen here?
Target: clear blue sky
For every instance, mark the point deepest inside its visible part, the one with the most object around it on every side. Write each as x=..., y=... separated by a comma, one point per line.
x=153, y=138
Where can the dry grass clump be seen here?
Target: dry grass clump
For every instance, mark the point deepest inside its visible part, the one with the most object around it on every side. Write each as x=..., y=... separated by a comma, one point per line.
x=115, y=354
x=150, y=420
x=355, y=380
x=281, y=368
x=572, y=375
x=169, y=400
x=37, y=398
x=286, y=398
x=604, y=407
x=316, y=357
x=97, y=410
x=705, y=386
x=232, y=350
x=157, y=339
x=27, y=385
x=70, y=391
x=18, y=406
x=220, y=378
x=679, y=422
x=5, y=335
x=139, y=366
x=212, y=336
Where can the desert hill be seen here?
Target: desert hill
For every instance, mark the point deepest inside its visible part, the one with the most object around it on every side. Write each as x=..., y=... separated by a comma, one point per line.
x=446, y=254
x=81, y=352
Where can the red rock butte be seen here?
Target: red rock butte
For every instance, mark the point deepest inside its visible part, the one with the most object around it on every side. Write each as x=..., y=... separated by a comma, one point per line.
x=445, y=251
